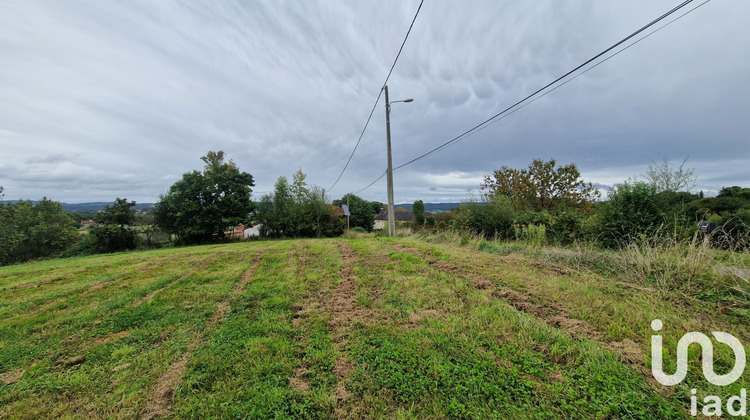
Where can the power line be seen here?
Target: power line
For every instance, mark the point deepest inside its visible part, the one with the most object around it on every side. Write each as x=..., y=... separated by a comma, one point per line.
x=487, y=121
x=379, y=95
x=372, y=183
x=585, y=71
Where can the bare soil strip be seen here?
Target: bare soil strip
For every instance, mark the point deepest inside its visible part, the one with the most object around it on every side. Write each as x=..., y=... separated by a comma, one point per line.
x=551, y=313
x=11, y=376
x=160, y=400
x=151, y=295
x=344, y=313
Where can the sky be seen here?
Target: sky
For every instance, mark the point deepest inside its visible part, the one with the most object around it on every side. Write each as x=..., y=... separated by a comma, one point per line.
x=102, y=99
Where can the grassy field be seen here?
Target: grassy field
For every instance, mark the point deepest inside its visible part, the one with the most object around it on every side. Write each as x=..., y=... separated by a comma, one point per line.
x=351, y=328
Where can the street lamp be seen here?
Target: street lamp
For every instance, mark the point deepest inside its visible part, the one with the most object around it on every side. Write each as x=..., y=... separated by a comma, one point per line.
x=391, y=213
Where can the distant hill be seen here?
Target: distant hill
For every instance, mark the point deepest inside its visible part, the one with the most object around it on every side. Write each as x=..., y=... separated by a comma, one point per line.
x=99, y=205
x=433, y=207
x=88, y=207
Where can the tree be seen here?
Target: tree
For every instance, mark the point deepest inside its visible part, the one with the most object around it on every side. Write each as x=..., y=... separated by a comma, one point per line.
x=542, y=187
x=114, y=232
x=297, y=210
x=418, y=209
x=200, y=207
x=361, y=212
x=29, y=230
x=120, y=213
x=667, y=176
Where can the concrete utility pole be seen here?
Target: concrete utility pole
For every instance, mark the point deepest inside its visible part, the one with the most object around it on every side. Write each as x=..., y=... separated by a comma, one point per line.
x=391, y=213
x=391, y=216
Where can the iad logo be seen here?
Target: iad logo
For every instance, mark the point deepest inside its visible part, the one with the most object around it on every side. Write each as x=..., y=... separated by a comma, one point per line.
x=712, y=404
x=708, y=357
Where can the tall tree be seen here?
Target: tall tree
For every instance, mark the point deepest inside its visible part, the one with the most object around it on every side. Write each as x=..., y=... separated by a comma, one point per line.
x=418, y=209
x=542, y=186
x=361, y=212
x=114, y=232
x=297, y=210
x=202, y=206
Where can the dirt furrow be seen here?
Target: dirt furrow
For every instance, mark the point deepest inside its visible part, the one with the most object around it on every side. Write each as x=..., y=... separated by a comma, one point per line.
x=160, y=401
x=345, y=312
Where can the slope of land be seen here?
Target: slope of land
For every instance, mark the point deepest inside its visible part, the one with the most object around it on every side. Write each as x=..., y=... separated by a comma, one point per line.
x=341, y=328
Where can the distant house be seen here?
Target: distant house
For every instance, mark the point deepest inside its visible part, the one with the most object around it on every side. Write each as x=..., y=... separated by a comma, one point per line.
x=342, y=210
x=87, y=223
x=252, y=231
x=381, y=220
x=237, y=232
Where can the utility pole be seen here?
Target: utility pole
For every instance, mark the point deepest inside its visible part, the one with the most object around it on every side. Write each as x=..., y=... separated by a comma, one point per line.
x=348, y=212
x=391, y=215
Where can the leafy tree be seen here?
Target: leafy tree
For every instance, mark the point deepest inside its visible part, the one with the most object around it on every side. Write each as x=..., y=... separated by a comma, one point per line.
x=667, y=176
x=29, y=231
x=542, y=187
x=201, y=206
x=734, y=192
x=114, y=232
x=418, y=210
x=145, y=225
x=121, y=213
x=361, y=211
x=297, y=210
x=326, y=222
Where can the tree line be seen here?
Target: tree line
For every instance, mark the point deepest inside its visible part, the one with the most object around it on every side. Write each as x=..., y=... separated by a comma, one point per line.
x=544, y=202
x=550, y=203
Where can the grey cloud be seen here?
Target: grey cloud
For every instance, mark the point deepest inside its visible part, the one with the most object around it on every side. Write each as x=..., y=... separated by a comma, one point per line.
x=132, y=94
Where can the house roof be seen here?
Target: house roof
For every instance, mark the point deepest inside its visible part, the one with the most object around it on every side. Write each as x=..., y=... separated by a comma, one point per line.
x=400, y=216
x=342, y=210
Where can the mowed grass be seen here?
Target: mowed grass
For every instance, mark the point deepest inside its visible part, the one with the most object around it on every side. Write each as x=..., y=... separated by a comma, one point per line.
x=340, y=328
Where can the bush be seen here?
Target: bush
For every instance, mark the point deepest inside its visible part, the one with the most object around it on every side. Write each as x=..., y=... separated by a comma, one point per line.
x=566, y=227
x=632, y=212
x=493, y=219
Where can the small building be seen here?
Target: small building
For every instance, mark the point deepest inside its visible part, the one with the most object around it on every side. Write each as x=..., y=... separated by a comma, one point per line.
x=381, y=220
x=237, y=232
x=342, y=210
x=252, y=231
x=87, y=223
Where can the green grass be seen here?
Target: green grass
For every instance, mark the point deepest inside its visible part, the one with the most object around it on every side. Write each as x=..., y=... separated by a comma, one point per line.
x=359, y=327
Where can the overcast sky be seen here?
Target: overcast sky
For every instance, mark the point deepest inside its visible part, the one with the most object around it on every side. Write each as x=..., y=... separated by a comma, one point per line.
x=102, y=99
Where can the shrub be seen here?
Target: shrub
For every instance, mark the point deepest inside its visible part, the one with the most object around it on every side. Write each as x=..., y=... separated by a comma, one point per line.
x=566, y=227
x=631, y=212
x=493, y=219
